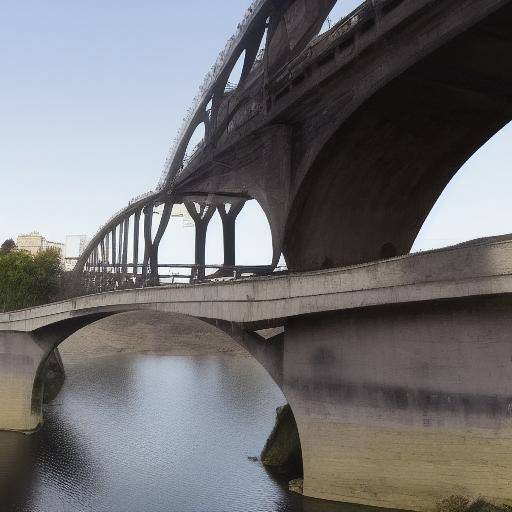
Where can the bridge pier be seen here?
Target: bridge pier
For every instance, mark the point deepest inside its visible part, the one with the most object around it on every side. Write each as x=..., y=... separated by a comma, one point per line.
x=21, y=394
x=399, y=407
x=148, y=226
x=201, y=220
x=229, y=230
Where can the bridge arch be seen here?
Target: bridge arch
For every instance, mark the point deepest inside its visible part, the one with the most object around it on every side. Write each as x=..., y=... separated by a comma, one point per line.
x=377, y=174
x=266, y=347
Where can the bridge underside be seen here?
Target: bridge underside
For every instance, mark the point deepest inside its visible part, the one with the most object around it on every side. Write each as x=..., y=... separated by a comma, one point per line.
x=374, y=183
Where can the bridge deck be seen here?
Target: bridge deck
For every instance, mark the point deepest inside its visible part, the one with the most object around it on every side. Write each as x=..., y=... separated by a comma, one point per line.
x=484, y=268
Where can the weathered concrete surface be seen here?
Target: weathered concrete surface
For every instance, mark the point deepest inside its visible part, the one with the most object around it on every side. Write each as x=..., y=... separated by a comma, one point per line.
x=21, y=391
x=402, y=406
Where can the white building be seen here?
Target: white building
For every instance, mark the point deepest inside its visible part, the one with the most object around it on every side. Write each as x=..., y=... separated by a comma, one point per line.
x=34, y=243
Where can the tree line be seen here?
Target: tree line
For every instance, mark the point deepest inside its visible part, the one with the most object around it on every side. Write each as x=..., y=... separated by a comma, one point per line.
x=28, y=280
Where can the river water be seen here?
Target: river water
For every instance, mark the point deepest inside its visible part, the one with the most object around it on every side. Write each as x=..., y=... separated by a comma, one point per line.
x=139, y=433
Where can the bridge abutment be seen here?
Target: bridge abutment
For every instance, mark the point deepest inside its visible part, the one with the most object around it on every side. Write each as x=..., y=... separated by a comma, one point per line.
x=21, y=393
x=400, y=407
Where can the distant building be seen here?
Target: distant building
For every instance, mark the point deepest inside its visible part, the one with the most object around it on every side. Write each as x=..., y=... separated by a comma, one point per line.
x=34, y=243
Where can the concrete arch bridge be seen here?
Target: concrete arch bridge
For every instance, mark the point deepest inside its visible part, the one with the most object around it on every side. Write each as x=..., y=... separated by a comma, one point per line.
x=398, y=368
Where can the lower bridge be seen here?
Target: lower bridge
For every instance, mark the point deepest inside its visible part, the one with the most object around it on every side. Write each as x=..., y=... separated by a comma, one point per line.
x=399, y=372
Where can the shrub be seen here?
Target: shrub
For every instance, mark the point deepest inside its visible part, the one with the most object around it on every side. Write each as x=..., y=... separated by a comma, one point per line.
x=27, y=280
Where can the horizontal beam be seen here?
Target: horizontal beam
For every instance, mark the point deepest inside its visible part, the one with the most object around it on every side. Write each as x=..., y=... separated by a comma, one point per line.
x=213, y=199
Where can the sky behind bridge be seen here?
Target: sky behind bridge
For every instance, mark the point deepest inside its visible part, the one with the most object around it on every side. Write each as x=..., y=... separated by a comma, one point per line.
x=92, y=93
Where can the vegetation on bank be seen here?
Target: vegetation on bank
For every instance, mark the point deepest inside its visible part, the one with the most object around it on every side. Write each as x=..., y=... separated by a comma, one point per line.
x=27, y=280
x=463, y=504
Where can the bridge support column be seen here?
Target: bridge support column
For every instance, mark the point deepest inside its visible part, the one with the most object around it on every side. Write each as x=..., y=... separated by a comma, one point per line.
x=28, y=362
x=21, y=381
x=229, y=230
x=400, y=407
x=153, y=254
x=201, y=221
x=114, y=249
x=148, y=227
x=136, y=230
x=126, y=227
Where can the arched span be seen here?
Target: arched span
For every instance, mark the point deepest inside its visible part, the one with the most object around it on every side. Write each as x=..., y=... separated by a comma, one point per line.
x=267, y=349
x=372, y=185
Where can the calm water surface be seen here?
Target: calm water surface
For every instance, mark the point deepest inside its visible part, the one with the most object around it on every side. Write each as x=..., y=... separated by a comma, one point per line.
x=151, y=433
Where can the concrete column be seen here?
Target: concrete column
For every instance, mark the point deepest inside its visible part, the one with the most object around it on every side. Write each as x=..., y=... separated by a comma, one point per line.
x=201, y=220
x=136, y=229
x=103, y=253
x=25, y=361
x=95, y=259
x=229, y=230
x=21, y=395
x=120, y=232
x=153, y=257
x=114, y=249
x=148, y=227
x=400, y=407
x=107, y=249
x=126, y=227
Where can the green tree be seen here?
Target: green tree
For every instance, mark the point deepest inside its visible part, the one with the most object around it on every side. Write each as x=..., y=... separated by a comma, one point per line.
x=27, y=280
x=8, y=246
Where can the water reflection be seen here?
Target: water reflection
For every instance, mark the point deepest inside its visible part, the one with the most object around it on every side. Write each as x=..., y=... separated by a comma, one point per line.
x=148, y=433
x=16, y=470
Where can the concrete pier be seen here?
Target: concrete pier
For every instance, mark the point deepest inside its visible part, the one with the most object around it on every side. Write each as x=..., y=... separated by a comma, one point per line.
x=400, y=407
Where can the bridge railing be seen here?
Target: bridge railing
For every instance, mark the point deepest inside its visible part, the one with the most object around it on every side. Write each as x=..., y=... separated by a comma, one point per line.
x=111, y=277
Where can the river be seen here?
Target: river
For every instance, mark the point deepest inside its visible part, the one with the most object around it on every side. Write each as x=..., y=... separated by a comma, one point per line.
x=146, y=433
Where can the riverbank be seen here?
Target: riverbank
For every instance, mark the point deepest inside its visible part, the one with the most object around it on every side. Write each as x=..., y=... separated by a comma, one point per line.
x=148, y=332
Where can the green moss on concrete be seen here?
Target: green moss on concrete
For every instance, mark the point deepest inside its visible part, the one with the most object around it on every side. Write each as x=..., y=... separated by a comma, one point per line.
x=282, y=451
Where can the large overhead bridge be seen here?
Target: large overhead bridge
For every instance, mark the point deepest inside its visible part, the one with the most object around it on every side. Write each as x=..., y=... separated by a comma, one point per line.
x=397, y=366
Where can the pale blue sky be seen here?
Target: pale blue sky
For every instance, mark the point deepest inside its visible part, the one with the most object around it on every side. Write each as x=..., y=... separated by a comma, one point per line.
x=93, y=91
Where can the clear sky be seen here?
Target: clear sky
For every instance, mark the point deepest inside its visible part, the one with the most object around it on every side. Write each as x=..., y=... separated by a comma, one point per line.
x=93, y=91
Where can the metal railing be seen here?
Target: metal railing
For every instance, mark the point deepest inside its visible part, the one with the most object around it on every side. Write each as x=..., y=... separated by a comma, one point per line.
x=119, y=276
